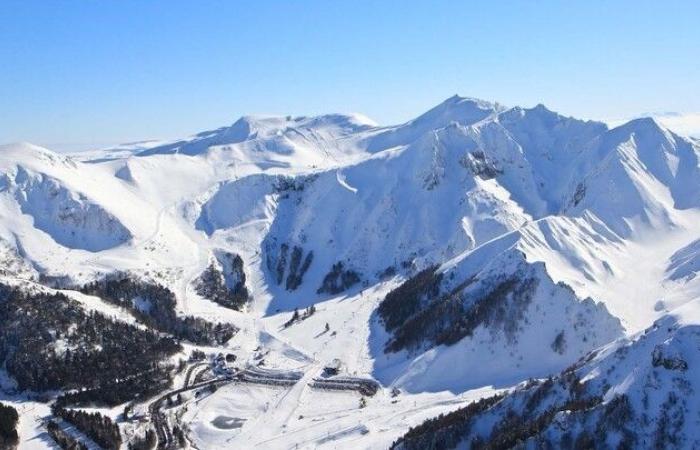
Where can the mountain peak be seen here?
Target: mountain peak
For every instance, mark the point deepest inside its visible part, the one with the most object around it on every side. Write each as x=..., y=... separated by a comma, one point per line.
x=648, y=126
x=463, y=110
x=459, y=101
x=473, y=100
x=541, y=107
x=22, y=147
x=28, y=153
x=272, y=132
x=646, y=121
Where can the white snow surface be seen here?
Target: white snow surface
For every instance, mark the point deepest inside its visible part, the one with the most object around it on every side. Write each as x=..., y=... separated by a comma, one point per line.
x=607, y=221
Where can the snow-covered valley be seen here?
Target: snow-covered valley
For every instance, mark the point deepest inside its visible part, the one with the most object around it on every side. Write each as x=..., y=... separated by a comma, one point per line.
x=326, y=282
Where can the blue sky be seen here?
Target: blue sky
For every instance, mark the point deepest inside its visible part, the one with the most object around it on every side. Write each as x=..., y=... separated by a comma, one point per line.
x=79, y=74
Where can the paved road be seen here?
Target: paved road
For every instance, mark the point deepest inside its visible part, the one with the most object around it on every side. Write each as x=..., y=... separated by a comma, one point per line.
x=160, y=422
x=190, y=371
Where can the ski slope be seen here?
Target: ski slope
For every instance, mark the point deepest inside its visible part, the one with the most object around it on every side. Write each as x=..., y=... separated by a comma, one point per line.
x=603, y=221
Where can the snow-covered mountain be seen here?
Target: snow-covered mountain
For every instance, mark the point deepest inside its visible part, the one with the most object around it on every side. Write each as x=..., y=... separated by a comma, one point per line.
x=685, y=124
x=637, y=392
x=449, y=258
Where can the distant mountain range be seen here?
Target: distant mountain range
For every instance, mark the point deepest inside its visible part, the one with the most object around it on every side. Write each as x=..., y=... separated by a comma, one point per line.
x=450, y=258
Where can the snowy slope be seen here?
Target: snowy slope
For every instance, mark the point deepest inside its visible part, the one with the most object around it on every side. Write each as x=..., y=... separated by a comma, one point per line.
x=546, y=236
x=639, y=392
x=69, y=218
x=496, y=313
x=285, y=141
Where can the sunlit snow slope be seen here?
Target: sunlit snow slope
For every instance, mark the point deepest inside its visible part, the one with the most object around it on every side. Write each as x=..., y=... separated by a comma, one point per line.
x=456, y=254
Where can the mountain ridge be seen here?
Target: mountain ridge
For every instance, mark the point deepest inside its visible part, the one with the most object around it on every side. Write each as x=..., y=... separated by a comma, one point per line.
x=449, y=257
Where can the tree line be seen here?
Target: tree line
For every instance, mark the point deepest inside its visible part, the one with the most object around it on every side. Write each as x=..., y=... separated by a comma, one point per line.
x=64, y=440
x=48, y=342
x=97, y=427
x=155, y=306
x=8, y=427
x=212, y=284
